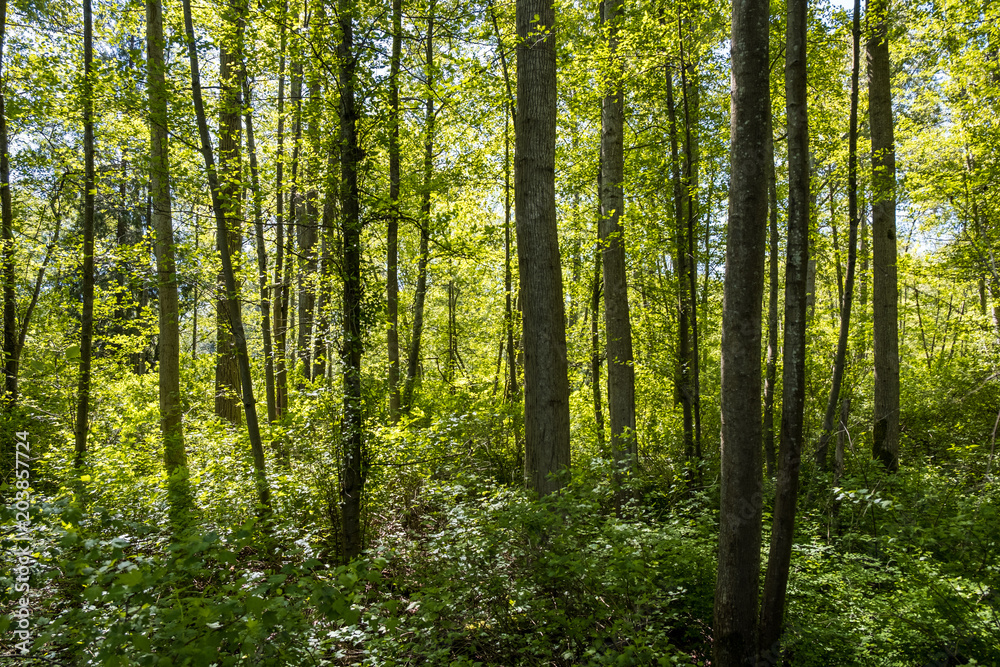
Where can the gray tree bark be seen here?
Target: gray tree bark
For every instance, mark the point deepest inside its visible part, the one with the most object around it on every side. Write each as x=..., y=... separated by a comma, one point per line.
x=621, y=372
x=771, y=372
x=685, y=384
x=171, y=426
x=885, y=295
x=7, y=239
x=87, y=314
x=736, y=588
x=840, y=362
x=353, y=474
x=230, y=236
x=238, y=333
x=280, y=312
x=258, y=219
x=413, y=359
x=794, y=352
x=546, y=385
x=392, y=236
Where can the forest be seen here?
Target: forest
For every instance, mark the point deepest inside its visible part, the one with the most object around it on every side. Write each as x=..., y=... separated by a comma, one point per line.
x=499, y=332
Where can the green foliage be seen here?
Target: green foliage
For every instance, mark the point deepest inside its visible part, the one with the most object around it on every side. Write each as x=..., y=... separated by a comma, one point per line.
x=138, y=598
x=485, y=575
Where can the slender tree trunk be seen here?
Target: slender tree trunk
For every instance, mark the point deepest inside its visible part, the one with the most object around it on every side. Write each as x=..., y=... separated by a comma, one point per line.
x=229, y=239
x=595, y=348
x=771, y=372
x=510, y=113
x=89, y=185
x=296, y=211
x=690, y=186
x=258, y=219
x=392, y=241
x=508, y=276
x=239, y=336
x=171, y=426
x=280, y=297
x=546, y=384
x=835, y=237
x=326, y=271
x=794, y=352
x=621, y=371
x=740, y=508
x=307, y=232
x=840, y=362
x=885, y=443
x=121, y=266
x=413, y=359
x=685, y=388
x=353, y=474
x=7, y=239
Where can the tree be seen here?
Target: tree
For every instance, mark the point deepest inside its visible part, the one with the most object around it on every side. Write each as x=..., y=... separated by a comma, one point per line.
x=229, y=239
x=308, y=232
x=546, y=386
x=7, y=241
x=353, y=474
x=735, y=640
x=280, y=307
x=621, y=371
x=171, y=425
x=420, y=296
x=89, y=193
x=794, y=351
x=885, y=297
x=233, y=306
x=840, y=361
x=392, y=236
x=771, y=372
x=258, y=220
x=684, y=378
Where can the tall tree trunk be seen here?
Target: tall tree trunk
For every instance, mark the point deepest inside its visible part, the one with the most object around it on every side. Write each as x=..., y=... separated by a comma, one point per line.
x=307, y=232
x=510, y=113
x=885, y=443
x=392, y=237
x=89, y=193
x=280, y=297
x=238, y=333
x=690, y=185
x=229, y=239
x=413, y=359
x=595, y=348
x=326, y=270
x=258, y=219
x=353, y=475
x=7, y=239
x=546, y=384
x=171, y=426
x=740, y=504
x=621, y=372
x=771, y=372
x=685, y=388
x=822, y=457
x=794, y=353
x=508, y=274
x=296, y=210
